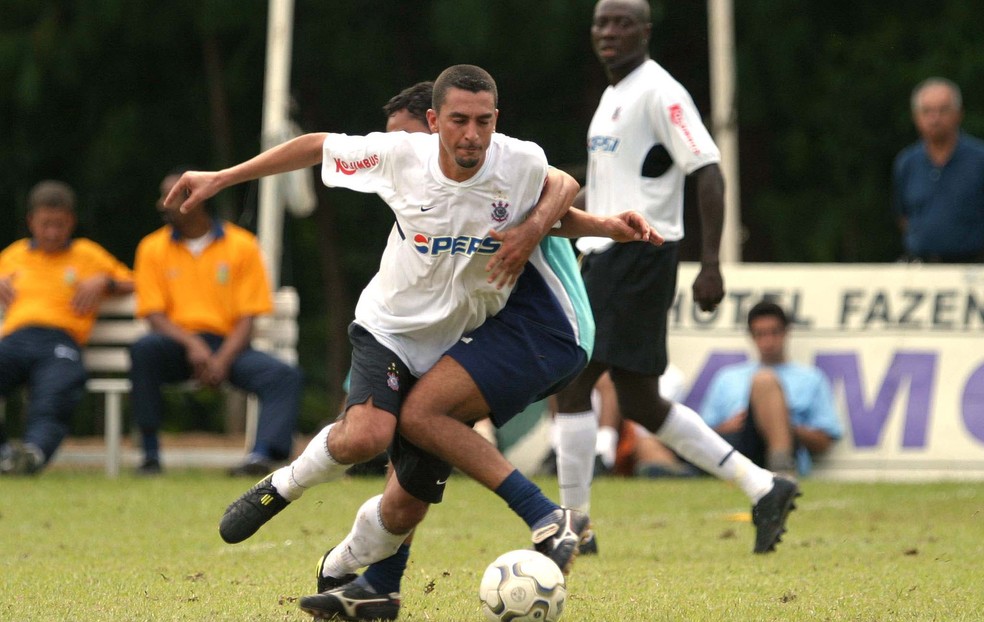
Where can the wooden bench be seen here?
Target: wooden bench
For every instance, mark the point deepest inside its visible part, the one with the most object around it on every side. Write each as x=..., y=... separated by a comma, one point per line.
x=107, y=359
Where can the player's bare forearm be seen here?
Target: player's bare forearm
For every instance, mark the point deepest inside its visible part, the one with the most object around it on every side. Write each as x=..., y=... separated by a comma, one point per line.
x=557, y=197
x=194, y=187
x=708, y=286
x=624, y=227
x=710, y=199
x=518, y=243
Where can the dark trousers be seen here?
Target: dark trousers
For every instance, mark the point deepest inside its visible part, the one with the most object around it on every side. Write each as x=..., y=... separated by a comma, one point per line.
x=156, y=360
x=49, y=363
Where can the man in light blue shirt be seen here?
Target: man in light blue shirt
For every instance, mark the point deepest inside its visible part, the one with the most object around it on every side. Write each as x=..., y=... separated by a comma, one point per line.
x=778, y=413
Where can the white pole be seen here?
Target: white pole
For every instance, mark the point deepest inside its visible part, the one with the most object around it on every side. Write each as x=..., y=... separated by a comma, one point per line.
x=724, y=119
x=276, y=97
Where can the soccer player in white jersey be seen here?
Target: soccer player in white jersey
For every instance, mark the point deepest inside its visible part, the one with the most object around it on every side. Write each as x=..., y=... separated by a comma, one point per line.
x=435, y=285
x=646, y=136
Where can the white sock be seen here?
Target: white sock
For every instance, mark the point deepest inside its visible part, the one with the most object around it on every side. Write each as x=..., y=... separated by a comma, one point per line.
x=687, y=434
x=368, y=542
x=314, y=466
x=575, y=457
x=606, y=445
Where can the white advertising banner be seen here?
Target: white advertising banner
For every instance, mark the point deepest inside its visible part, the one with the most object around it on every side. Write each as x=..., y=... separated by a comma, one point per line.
x=902, y=345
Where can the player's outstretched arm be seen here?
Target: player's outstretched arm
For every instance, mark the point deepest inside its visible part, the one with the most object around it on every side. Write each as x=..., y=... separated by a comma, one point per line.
x=628, y=226
x=194, y=187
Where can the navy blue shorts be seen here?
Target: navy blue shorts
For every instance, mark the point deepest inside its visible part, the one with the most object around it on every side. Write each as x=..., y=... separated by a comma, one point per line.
x=524, y=354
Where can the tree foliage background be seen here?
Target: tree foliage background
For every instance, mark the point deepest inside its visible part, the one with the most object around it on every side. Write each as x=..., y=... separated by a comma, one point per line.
x=109, y=95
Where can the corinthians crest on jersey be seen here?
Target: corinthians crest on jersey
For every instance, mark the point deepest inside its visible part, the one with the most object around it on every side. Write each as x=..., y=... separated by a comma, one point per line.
x=500, y=206
x=500, y=210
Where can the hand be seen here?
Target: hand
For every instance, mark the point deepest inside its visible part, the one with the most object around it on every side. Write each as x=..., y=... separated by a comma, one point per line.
x=198, y=354
x=89, y=293
x=215, y=372
x=734, y=424
x=192, y=189
x=632, y=227
x=708, y=287
x=7, y=293
x=517, y=244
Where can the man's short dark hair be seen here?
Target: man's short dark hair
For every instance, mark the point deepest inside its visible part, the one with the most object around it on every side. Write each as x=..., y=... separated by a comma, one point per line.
x=51, y=193
x=414, y=99
x=767, y=308
x=466, y=77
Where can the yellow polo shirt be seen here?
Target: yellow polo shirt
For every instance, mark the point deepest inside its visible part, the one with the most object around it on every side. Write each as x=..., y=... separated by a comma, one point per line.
x=44, y=284
x=209, y=292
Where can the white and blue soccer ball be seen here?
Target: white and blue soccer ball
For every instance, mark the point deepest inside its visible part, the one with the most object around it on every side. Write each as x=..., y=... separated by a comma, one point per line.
x=523, y=586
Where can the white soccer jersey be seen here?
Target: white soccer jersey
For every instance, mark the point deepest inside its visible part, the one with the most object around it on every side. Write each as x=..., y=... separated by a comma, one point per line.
x=649, y=119
x=431, y=286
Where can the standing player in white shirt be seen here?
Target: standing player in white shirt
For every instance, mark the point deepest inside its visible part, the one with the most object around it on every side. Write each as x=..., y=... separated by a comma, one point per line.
x=645, y=138
x=434, y=285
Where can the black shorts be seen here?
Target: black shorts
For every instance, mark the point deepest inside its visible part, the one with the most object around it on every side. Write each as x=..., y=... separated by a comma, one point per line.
x=380, y=374
x=631, y=288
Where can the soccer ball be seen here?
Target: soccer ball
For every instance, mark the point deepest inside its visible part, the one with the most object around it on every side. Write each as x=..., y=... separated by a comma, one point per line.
x=523, y=586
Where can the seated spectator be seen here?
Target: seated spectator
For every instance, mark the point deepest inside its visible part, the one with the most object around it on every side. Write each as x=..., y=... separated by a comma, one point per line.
x=50, y=289
x=778, y=413
x=200, y=284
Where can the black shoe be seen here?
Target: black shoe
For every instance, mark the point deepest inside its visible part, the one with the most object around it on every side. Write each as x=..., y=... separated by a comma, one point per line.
x=248, y=513
x=589, y=543
x=352, y=602
x=150, y=467
x=254, y=465
x=330, y=583
x=558, y=535
x=769, y=514
x=20, y=459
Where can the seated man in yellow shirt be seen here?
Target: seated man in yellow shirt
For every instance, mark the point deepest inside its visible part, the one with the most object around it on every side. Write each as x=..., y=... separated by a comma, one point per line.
x=200, y=284
x=50, y=289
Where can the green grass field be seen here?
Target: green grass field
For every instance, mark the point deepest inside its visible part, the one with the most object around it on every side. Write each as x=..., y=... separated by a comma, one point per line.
x=76, y=546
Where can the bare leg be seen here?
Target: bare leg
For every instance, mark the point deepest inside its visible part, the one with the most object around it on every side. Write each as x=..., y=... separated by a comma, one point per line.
x=432, y=419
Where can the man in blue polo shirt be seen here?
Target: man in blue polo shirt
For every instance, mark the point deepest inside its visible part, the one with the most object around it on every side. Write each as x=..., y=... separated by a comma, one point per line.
x=938, y=182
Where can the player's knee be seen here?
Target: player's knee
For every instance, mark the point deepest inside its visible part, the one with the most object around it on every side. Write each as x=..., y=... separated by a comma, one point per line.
x=367, y=445
x=412, y=418
x=403, y=515
x=358, y=441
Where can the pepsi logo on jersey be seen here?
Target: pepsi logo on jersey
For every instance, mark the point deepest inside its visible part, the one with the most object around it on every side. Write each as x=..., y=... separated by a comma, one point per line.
x=455, y=245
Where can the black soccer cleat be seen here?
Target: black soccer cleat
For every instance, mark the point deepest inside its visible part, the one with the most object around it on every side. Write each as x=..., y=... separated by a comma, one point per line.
x=769, y=514
x=351, y=602
x=248, y=513
x=559, y=534
x=330, y=583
